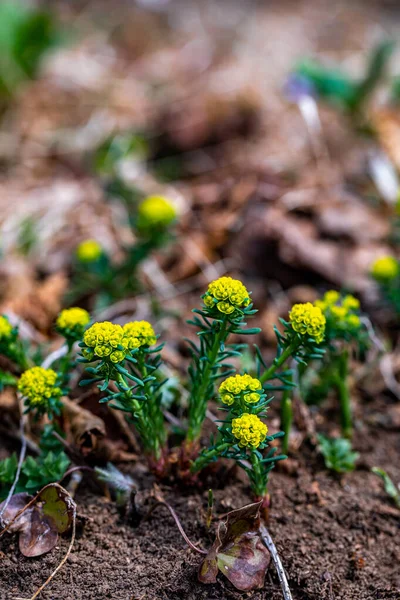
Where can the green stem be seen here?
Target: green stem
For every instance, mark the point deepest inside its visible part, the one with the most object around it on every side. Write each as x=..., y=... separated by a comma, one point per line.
x=279, y=361
x=286, y=417
x=137, y=408
x=155, y=415
x=207, y=456
x=342, y=386
x=198, y=398
x=259, y=485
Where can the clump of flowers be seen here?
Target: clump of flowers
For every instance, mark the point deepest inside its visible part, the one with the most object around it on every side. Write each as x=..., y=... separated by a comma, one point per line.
x=344, y=330
x=243, y=386
x=342, y=314
x=226, y=306
x=89, y=251
x=140, y=331
x=301, y=341
x=40, y=391
x=96, y=273
x=249, y=430
x=156, y=212
x=72, y=322
x=386, y=272
x=126, y=357
x=227, y=295
x=385, y=268
x=105, y=340
x=243, y=436
x=307, y=319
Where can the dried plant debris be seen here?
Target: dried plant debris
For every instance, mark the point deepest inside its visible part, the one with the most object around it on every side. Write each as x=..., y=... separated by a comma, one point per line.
x=238, y=551
x=38, y=520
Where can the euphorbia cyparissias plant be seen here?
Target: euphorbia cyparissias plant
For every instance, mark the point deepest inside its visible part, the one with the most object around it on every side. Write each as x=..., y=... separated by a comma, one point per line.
x=125, y=361
x=226, y=305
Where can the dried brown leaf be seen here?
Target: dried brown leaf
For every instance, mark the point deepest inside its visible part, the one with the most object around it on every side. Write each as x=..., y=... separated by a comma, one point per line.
x=39, y=536
x=86, y=428
x=238, y=551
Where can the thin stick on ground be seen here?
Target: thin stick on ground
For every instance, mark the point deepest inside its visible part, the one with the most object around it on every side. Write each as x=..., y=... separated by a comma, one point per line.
x=277, y=561
x=63, y=561
x=178, y=523
x=19, y=513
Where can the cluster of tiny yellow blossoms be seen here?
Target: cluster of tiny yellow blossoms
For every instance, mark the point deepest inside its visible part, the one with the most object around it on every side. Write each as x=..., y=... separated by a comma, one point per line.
x=106, y=340
x=238, y=385
x=5, y=328
x=156, y=211
x=89, y=251
x=385, y=268
x=72, y=319
x=113, y=341
x=141, y=331
x=249, y=430
x=308, y=319
x=38, y=385
x=342, y=310
x=227, y=295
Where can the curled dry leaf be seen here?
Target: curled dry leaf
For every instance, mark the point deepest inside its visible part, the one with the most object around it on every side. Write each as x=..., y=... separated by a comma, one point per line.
x=86, y=427
x=238, y=551
x=17, y=503
x=39, y=536
x=45, y=516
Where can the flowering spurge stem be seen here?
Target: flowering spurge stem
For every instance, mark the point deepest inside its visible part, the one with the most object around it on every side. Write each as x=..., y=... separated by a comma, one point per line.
x=242, y=436
x=286, y=418
x=342, y=386
x=302, y=335
x=344, y=330
x=225, y=306
x=127, y=357
x=386, y=272
x=301, y=340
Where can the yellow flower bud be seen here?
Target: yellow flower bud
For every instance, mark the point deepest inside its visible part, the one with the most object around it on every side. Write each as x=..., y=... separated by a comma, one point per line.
x=385, y=268
x=38, y=385
x=249, y=430
x=308, y=319
x=88, y=251
x=156, y=211
x=227, y=294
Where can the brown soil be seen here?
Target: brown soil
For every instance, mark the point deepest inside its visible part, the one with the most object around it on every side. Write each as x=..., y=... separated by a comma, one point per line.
x=338, y=538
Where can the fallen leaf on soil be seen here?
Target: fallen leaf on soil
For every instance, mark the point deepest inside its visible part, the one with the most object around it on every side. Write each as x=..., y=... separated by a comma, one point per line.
x=86, y=427
x=40, y=524
x=238, y=551
x=39, y=536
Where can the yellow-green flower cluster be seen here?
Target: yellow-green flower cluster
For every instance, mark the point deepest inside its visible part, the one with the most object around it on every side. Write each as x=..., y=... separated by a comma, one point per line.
x=5, y=329
x=308, y=319
x=140, y=331
x=105, y=339
x=156, y=211
x=249, y=430
x=72, y=321
x=89, y=251
x=240, y=385
x=227, y=295
x=38, y=386
x=108, y=340
x=341, y=310
x=385, y=268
